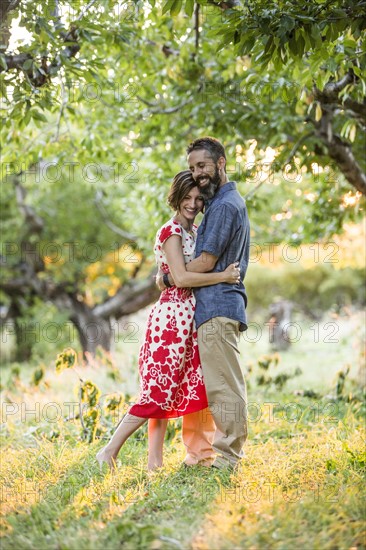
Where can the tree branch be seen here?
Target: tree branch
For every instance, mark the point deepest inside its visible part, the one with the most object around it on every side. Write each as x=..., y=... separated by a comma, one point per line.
x=338, y=150
x=25, y=283
x=40, y=78
x=341, y=152
x=253, y=191
x=83, y=12
x=16, y=61
x=130, y=298
x=296, y=147
x=5, y=7
x=287, y=161
x=225, y=4
x=60, y=113
x=197, y=26
x=358, y=109
x=31, y=260
x=124, y=234
x=33, y=221
x=332, y=89
x=169, y=110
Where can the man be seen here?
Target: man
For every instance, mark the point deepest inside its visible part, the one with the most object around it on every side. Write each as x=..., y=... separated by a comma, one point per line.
x=223, y=238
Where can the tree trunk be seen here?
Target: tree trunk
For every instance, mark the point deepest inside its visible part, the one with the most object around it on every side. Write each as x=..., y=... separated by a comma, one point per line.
x=23, y=343
x=94, y=325
x=279, y=325
x=25, y=334
x=93, y=330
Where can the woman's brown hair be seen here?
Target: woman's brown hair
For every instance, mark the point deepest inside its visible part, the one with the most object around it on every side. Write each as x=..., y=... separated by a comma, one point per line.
x=183, y=182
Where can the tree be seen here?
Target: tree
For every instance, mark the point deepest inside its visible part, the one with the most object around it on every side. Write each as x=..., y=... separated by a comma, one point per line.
x=56, y=242
x=315, y=48
x=100, y=102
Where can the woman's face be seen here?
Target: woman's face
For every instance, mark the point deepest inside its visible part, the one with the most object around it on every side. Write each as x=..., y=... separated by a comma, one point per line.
x=191, y=204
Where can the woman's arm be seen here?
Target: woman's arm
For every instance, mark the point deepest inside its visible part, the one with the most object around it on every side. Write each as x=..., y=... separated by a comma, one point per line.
x=183, y=278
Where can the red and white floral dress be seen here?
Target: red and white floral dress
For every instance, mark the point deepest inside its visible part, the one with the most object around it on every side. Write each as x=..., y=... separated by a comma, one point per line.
x=171, y=379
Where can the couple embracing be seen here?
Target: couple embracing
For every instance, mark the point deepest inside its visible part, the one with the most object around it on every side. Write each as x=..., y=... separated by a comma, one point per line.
x=189, y=362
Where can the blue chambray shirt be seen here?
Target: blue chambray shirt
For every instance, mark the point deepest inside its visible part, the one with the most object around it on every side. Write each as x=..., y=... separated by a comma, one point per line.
x=224, y=232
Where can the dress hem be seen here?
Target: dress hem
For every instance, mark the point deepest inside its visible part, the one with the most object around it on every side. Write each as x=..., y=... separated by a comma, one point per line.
x=168, y=414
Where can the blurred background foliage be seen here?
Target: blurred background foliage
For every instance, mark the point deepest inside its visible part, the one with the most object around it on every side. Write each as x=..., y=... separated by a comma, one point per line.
x=100, y=100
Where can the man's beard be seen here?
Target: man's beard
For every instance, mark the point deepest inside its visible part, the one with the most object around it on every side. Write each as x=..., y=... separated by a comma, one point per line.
x=212, y=187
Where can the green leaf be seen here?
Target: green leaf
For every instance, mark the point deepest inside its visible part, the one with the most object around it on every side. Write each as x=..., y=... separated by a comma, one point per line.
x=89, y=393
x=17, y=110
x=176, y=7
x=292, y=45
x=269, y=44
x=189, y=7
x=3, y=88
x=350, y=43
x=318, y=112
x=352, y=133
x=300, y=44
x=167, y=6
x=27, y=118
x=286, y=25
x=226, y=39
x=316, y=34
x=37, y=115
x=277, y=60
x=28, y=64
x=65, y=360
x=247, y=42
x=71, y=109
x=3, y=61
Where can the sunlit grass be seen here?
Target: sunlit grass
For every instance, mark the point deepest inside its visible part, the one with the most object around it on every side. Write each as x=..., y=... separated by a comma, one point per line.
x=300, y=485
x=301, y=492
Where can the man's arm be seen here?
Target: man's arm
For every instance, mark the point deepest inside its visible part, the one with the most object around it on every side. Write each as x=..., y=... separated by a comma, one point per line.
x=218, y=234
x=219, y=231
x=204, y=263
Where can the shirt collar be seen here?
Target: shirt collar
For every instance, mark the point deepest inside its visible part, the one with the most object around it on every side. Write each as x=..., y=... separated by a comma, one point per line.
x=229, y=186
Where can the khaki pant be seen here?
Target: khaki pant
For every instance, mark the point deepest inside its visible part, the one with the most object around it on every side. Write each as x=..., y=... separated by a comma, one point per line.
x=226, y=391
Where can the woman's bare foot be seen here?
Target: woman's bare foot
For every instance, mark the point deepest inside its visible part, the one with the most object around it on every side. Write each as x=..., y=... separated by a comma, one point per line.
x=154, y=464
x=104, y=456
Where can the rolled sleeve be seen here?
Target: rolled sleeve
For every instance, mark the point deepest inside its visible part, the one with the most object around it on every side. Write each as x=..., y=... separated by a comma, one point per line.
x=219, y=229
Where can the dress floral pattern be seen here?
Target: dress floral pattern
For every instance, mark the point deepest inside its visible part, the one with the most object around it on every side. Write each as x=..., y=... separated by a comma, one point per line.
x=171, y=379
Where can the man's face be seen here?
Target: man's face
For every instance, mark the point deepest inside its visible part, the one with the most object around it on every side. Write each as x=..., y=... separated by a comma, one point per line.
x=205, y=172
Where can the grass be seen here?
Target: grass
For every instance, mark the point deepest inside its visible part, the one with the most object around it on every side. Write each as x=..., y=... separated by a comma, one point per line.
x=300, y=485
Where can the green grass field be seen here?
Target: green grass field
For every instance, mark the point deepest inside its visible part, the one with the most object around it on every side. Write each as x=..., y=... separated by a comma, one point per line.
x=301, y=484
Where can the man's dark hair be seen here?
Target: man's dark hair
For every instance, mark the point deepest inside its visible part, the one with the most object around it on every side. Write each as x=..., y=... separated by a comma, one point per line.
x=210, y=144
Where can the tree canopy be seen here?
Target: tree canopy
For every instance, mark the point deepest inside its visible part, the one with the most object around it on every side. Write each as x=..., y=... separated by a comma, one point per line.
x=100, y=99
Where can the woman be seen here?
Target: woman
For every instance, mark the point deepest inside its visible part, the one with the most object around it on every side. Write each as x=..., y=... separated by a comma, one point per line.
x=170, y=372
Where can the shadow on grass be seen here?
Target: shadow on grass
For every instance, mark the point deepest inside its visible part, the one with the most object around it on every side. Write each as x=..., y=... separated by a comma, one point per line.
x=85, y=508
